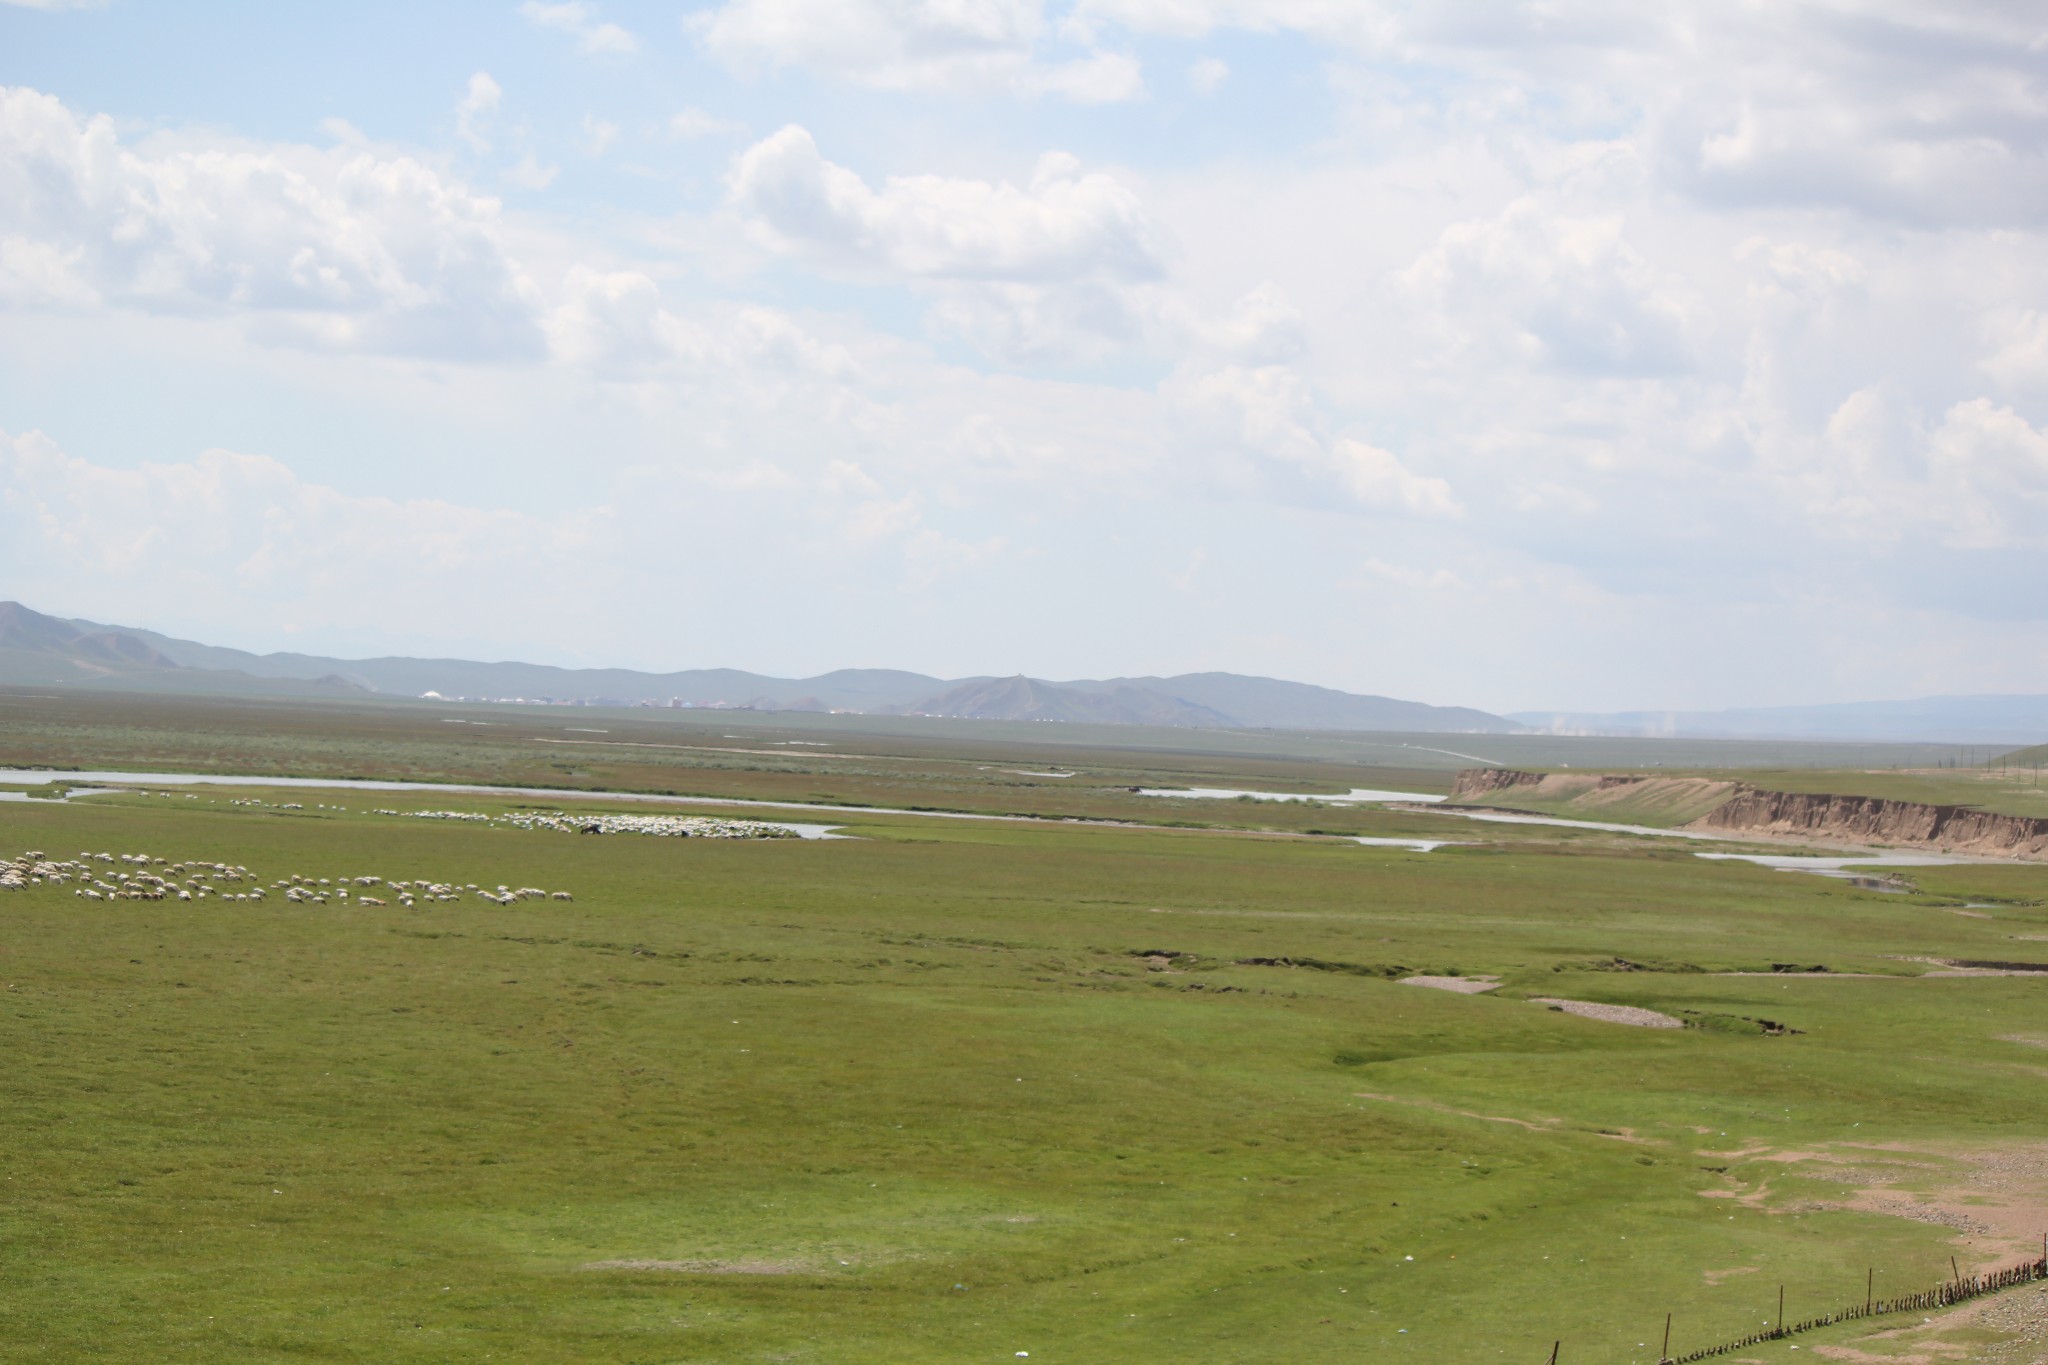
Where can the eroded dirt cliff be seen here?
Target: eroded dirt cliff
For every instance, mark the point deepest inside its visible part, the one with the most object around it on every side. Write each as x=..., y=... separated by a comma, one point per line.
x=1873, y=820
x=1739, y=808
x=1602, y=796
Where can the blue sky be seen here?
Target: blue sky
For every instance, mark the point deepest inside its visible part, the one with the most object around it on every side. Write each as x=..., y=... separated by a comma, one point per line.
x=1565, y=355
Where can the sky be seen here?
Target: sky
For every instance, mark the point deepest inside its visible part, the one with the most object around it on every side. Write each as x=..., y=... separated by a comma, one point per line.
x=1572, y=354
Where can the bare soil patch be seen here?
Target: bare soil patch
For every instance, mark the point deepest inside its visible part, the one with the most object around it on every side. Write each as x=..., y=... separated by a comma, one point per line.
x=1994, y=1199
x=1463, y=985
x=2019, y=1316
x=762, y=1267
x=1611, y=1014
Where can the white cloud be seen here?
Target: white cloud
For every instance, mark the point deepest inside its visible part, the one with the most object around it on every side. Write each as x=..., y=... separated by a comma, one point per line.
x=1266, y=420
x=598, y=135
x=528, y=173
x=580, y=21
x=981, y=47
x=1987, y=474
x=1884, y=108
x=1061, y=269
x=613, y=323
x=1546, y=288
x=1062, y=225
x=1406, y=576
x=1378, y=479
x=1206, y=76
x=1264, y=327
x=480, y=100
x=933, y=556
x=2021, y=358
x=1703, y=312
x=43, y=274
x=336, y=248
x=1101, y=78
x=1024, y=324
x=695, y=123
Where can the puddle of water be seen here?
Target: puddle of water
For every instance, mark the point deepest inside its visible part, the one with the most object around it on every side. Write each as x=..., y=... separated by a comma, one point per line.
x=806, y=831
x=476, y=789
x=1355, y=797
x=1785, y=862
x=1851, y=870
x=1494, y=817
x=1412, y=845
x=73, y=792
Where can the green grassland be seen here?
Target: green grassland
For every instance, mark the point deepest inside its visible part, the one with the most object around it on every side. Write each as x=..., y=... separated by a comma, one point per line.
x=954, y=1090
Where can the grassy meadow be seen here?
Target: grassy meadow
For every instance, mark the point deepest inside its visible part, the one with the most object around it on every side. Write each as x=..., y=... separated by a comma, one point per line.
x=955, y=1090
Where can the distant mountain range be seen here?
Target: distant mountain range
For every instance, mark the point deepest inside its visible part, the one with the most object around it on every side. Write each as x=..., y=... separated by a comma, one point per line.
x=41, y=650
x=1989, y=720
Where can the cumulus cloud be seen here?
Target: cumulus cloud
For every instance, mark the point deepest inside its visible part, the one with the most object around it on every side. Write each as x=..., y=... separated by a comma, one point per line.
x=580, y=22
x=1266, y=420
x=614, y=323
x=1987, y=470
x=984, y=47
x=1206, y=76
x=1063, y=225
x=2020, y=339
x=598, y=135
x=480, y=100
x=1883, y=108
x=1634, y=299
x=337, y=248
x=1551, y=289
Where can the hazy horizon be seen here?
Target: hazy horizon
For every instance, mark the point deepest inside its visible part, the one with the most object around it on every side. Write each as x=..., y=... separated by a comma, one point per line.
x=1561, y=358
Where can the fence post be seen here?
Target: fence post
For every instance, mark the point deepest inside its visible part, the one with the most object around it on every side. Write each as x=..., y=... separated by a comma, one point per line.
x=1665, y=1354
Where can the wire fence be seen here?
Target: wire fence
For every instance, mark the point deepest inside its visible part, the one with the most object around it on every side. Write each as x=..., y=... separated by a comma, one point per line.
x=1952, y=1291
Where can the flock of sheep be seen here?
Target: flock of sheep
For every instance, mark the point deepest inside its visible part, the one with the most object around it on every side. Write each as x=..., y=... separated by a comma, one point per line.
x=186, y=881
x=302, y=890
x=667, y=826
x=140, y=877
